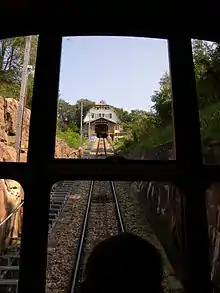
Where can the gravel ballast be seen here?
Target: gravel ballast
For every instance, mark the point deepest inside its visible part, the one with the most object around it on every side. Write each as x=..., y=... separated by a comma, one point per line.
x=135, y=218
x=102, y=223
x=102, y=218
x=63, y=241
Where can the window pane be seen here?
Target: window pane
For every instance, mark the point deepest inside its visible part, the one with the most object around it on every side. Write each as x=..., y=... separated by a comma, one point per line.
x=124, y=81
x=207, y=72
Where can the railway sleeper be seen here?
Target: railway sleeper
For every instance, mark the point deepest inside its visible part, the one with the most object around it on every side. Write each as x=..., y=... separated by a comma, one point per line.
x=7, y=256
x=57, y=202
x=55, y=206
x=59, y=196
x=9, y=269
x=56, y=216
x=9, y=261
x=8, y=282
x=10, y=273
x=54, y=212
x=51, y=221
x=53, y=216
x=61, y=191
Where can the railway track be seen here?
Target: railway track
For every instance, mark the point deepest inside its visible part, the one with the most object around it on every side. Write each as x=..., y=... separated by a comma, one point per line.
x=77, y=223
x=98, y=208
x=98, y=221
x=9, y=259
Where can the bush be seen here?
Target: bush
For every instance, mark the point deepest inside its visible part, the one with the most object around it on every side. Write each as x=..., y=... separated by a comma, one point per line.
x=210, y=126
x=71, y=138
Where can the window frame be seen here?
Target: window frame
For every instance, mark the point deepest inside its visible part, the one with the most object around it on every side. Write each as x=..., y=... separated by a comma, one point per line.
x=187, y=171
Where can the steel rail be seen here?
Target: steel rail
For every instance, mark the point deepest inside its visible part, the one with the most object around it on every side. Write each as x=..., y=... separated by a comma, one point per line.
x=75, y=270
x=118, y=211
x=117, y=207
x=73, y=282
x=97, y=150
x=104, y=145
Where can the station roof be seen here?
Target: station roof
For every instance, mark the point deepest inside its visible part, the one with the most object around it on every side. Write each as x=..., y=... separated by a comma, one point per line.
x=102, y=119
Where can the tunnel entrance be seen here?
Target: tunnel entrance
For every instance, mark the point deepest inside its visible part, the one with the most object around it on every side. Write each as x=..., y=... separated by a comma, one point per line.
x=101, y=129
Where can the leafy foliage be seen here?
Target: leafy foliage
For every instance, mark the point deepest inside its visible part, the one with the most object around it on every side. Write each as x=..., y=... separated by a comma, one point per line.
x=11, y=63
x=151, y=129
x=148, y=129
x=71, y=138
x=144, y=129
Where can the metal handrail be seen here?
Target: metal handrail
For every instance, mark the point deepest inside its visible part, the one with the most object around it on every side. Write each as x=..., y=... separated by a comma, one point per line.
x=12, y=213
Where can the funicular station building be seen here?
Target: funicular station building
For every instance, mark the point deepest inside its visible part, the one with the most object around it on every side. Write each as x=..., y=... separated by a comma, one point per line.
x=102, y=121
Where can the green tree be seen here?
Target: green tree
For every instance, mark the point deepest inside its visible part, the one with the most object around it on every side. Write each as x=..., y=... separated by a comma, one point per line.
x=69, y=116
x=209, y=86
x=11, y=63
x=66, y=116
x=163, y=100
x=87, y=105
x=155, y=128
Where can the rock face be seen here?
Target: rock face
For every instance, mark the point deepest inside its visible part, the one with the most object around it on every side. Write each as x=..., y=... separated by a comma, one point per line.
x=8, y=123
x=62, y=150
x=167, y=205
x=11, y=192
x=11, y=195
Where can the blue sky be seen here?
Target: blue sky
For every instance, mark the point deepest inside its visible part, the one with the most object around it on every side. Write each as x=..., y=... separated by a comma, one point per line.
x=122, y=71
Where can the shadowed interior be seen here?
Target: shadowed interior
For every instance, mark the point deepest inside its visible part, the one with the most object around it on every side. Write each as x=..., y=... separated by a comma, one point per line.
x=101, y=129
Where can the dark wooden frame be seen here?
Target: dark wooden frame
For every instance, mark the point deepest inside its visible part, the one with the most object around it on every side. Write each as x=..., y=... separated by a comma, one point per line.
x=42, y=170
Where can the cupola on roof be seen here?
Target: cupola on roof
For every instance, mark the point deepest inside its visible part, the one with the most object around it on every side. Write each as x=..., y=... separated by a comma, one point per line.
x=102, y=102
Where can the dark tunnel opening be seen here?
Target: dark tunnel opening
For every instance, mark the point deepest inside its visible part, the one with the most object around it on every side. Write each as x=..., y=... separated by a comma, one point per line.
x=101, y=130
